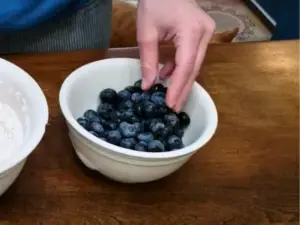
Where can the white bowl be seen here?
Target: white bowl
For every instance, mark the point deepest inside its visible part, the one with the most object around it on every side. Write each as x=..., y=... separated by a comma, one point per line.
x=23, y=118
x=80, y=92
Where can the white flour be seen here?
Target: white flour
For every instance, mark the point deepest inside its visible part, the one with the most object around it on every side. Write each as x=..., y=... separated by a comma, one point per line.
x=11, y=132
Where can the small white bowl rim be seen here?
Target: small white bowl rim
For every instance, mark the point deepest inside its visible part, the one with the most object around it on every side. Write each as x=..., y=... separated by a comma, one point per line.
x=37, y=135
x=196, y=145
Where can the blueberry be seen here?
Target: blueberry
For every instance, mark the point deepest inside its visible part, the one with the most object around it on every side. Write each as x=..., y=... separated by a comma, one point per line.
x=138, y=83
x=174, y=142
x=124, y=95
x=145, y=96
x=179, y=132
x=167, y=131
x=184, y=119
x=157, y=87
x=114, y=137
x=83, y=122
x=141, y=146
x=171, y=120
x=109, y=125
x=146, y=137
x=94, y=133
x=161, y=110
x=97, y=128
x=164, y=141
x=133, y=89
x=108, y=95
x=124, y=105
x=156, y=146
x=136, y=97
x=157, y=99
x=128, y=130
x=138, y=110
x=126, y=115
x=96, y=119
x=149, y=109
x=157, y=128
x=104, y=110
x=89, y=114
x=128, y=143
x=158, y=94
x=153, y=121
x=115, y=116
x=138, y=127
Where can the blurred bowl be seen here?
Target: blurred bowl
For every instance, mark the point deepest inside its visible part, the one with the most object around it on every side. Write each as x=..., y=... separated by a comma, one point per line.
x=80, y=92
x=23, y=118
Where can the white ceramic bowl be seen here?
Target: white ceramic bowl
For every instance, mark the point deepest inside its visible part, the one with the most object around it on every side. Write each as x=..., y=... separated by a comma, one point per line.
x=21, y=94
x=80, y=92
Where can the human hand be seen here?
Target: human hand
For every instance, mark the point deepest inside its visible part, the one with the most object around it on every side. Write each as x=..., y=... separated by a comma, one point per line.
x=189, y=27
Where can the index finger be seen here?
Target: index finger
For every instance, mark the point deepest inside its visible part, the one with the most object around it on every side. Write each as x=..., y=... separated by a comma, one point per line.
x=185, y=58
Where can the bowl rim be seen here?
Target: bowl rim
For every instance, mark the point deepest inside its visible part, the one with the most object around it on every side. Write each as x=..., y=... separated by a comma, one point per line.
x=36, y=136
x=196, y=145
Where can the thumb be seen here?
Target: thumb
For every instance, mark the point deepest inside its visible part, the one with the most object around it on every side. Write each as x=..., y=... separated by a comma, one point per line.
x=148, y=46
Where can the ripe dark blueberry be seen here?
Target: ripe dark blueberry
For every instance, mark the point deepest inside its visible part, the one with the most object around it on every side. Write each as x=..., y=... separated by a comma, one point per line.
x=158, y=94
x=164, y=141
x=109, y=125
x=149, y=109
x=115, y=116
x=167, y=131
x=124, y=105
x=94, y=133
x=89, y=114
x=128, y=143
x=153, y=121
x=104, y=110
x=174, y=142
x=133, y=89
x=108, y=95
x=156, y=88
x=136, y=97
x=83, y=122
x=179, y=132
x=134, y=119
x=184, y=119
x=146, y=137
x=156, y=146
x=157, y=128
x=171, y=120
x=128, y=130
x=97, y=128
x=161, y=110
x=157, y=99
x=141, y=146
x=138, y=127
x=146, y=96
x=164, y=90
x=126, y=115
x=138, y=109
x=114, y=137
x=124, y=95
x=138, y=84
x=95, y=119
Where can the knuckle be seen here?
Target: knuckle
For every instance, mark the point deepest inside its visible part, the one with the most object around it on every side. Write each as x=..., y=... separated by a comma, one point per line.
x=196, y=27
x=210, y=26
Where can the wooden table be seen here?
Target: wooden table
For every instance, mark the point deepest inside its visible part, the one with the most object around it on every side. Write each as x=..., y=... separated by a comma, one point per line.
x=247, y=174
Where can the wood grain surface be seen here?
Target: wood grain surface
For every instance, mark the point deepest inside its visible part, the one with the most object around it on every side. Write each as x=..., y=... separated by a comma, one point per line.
x=246, y=175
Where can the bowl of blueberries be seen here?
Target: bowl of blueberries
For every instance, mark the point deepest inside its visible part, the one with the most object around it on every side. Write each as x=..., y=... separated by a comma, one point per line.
x=128, y=134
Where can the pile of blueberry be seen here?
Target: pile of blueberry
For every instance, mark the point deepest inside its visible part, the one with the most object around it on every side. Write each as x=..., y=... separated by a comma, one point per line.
x=136, y=119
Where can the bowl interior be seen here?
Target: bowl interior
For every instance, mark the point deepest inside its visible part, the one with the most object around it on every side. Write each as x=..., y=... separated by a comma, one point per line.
x=23, y=114
x=83, y=89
